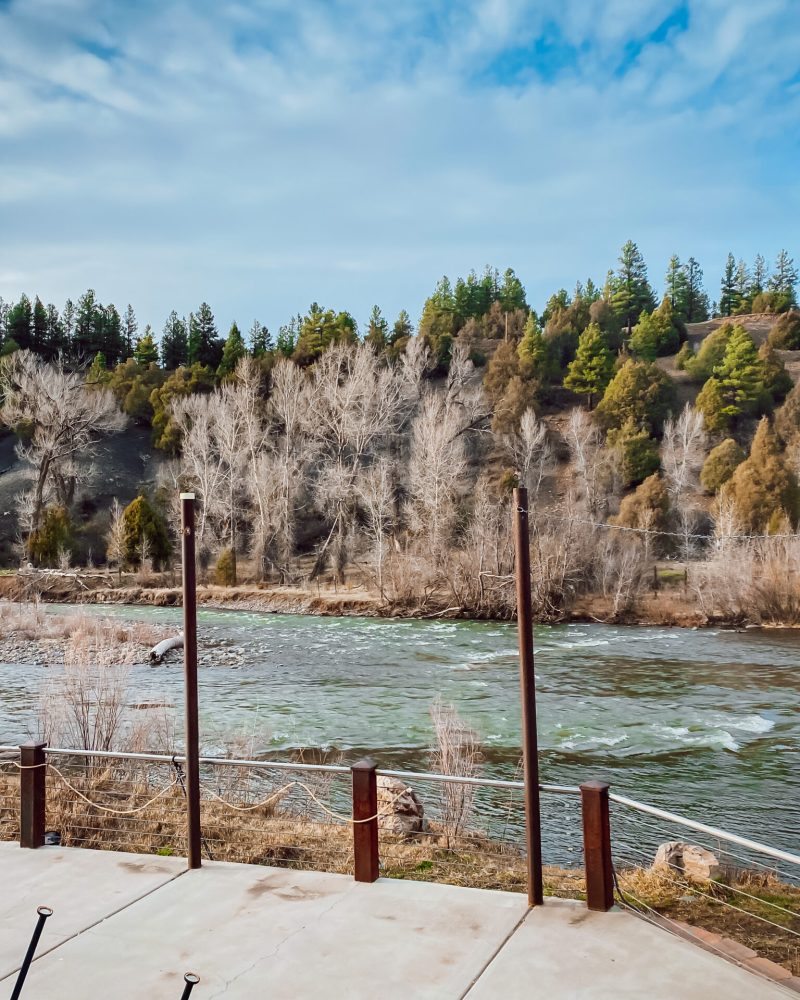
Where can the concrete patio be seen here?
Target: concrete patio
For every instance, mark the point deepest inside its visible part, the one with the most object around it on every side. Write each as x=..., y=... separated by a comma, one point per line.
x=129, y=926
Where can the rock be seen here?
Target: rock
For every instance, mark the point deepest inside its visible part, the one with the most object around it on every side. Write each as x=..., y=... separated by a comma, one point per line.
x=695, y=863
x=400, y=808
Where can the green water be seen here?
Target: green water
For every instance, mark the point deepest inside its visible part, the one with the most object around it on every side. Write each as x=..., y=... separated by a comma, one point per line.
x=705, y=723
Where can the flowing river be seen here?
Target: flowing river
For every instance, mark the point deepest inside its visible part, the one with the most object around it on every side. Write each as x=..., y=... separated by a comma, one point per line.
x=704, y=723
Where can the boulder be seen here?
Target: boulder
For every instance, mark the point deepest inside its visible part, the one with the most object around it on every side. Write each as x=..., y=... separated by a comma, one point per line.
x=399, y=806
x=695, y=863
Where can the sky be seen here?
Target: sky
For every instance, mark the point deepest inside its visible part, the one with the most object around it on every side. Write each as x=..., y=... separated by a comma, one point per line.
x=264, y=154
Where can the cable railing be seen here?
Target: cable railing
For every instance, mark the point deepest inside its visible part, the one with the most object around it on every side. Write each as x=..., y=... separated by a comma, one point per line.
x=742, y=896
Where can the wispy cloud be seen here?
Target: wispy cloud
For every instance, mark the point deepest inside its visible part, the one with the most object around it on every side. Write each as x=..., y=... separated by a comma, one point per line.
x=261, y=154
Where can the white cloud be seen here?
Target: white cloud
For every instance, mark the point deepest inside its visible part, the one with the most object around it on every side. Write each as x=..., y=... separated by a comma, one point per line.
x=264, y=155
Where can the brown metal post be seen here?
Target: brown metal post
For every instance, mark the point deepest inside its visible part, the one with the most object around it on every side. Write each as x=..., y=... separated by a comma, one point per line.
x=597, y=846
x=32, y=787
x=527, y=680
x=190, y=675
x=365, y=808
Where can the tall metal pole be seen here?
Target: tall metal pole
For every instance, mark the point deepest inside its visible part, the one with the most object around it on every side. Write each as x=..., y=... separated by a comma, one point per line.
x=527, y=680
x=190, y=677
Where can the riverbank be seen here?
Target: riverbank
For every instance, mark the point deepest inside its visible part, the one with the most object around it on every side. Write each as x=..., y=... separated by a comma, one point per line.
x=669, y=606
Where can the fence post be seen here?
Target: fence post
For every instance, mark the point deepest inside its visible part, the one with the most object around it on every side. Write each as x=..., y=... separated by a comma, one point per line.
x=32, y=794
x=365, y=807
x=597, y=846
x=194, y=837
x=527, y=680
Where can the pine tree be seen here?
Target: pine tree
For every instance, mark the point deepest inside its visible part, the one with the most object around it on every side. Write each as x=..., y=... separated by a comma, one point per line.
x=146, y=353
x=113, y=339
x=631, y=289
x=636, y=452
x=641, y=391
x=88, y=339
x=512, y=293
x=591, y=371
x=783, y=281
x=55, y=339
x=174, y=343
x=68, y=323
x=728, y=297
x=19, y=326
x=377, y=329
x=759, y=276
x=720, y=465
x=260, y=340
x=696, y=298
x=740, y=376
x=676, y=283
x=39, y=327
x=232, y=352
x=534, y=353
x=656, y=333
x=129, y=328
x=205, y=346
x=764, y=485
x=776, y=379
x=402, y=328
x=742, y=285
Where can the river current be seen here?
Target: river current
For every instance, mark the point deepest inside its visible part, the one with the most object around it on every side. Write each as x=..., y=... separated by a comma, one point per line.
x=702, y=722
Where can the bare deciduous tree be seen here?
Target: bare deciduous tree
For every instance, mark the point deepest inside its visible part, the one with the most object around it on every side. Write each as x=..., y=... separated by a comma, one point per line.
x=683, y=450
x=529, y=448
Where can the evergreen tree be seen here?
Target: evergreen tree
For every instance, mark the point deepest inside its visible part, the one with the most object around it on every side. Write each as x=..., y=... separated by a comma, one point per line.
x=98, y=373
x=720, y=465
x=759, y=276
x=696, y=298
x=656, y=333
x=377, y=330
x=232, y=353
x=144, y=530
x=742, y=285
x=205, y=346
x=785, y=333
x=129, y=328
x=648, y=507
x=639, y=391
x=146, y=353
x=728, y=296
x=776, y=379
x=534, y=353
x=68, y=324
x=512, y=293
x=591, y=371
x=636, y=451
x=740, y=375
x=260, y=340
x=402, y=328
x=19, y=326
x=676, y=284
x=783, y=282
x=113, y=338
x=631, y=289
x=39, y=327
x=174, y=343
x=764, y=485
x=319, y=329
x=287, y=337
x=55, y=339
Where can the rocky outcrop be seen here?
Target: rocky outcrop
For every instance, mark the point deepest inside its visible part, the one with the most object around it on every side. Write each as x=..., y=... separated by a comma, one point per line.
x=399, y=807
x=695, y=863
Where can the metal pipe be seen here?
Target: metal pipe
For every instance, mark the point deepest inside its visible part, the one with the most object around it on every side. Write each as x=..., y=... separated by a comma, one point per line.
x=194, y=844
x=191, y=980
x=712, y=831
x=527, y=682
x=44, y=912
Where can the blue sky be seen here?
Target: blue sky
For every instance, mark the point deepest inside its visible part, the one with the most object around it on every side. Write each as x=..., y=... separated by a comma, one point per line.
x=262, y=154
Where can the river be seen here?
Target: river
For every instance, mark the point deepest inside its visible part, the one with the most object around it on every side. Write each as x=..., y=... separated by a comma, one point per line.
x=705, y=723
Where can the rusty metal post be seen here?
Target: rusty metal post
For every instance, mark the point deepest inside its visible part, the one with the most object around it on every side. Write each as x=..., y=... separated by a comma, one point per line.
x=365, y=809
x=527, y=680
x=32, y=791
x=190, y=675
x=597, y=846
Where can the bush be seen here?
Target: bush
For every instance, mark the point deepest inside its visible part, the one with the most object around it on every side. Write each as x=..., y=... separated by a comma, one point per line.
x=647, y=508
x=225, y=570
x=639, y=391
x=764, y=488
x=51, y=538
x=702, y=364
x=787, y=419
x=684, y=357
x=785, y=334
x=145, y=533
x=720, y=465
x=637, y=452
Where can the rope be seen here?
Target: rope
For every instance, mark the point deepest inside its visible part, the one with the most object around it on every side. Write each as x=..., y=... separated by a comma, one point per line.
x=108, y=809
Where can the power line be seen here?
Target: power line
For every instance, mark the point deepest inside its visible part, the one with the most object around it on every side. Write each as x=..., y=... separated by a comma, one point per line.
x=659, y=532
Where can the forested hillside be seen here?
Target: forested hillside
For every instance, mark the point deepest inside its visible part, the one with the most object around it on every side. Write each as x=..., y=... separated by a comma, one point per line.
x=646, y=428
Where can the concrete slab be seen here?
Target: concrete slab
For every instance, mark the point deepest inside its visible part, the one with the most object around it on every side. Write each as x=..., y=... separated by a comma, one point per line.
x=81, y=887
x=564, y=951
x=249, y=931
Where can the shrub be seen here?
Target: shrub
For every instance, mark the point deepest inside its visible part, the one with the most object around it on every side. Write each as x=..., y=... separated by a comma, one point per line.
x=787, y=419
x=145, y=533
x=639, y=391
x=647, y=507
x=684, y=357
x=764, y=485
x=53, y=536
x=637, y=453
x=785, y=334
x=224, y=571
x=702, y=364
x=720, y=465
x=777, y=381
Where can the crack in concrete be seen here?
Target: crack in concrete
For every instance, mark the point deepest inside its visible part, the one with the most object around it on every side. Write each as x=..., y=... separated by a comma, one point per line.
x=279, y=945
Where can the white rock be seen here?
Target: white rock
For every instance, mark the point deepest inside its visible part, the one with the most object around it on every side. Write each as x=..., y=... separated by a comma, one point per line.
x=400, y=809
x=695, y=863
